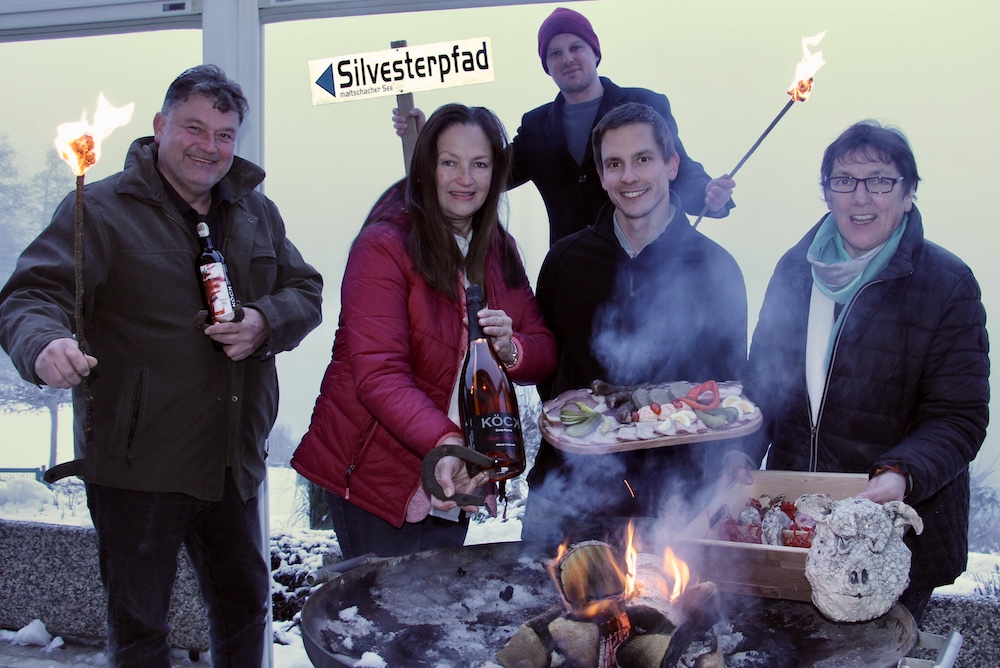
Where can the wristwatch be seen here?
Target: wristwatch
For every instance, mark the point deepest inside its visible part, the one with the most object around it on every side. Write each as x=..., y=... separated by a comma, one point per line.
x=895, y=468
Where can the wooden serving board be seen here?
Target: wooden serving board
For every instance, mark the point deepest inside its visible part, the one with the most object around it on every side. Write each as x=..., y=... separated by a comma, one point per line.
x=626, y=438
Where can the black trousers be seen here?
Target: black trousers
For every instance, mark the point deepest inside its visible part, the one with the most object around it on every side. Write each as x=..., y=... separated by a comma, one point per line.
x=139, y=536
x=360, y=533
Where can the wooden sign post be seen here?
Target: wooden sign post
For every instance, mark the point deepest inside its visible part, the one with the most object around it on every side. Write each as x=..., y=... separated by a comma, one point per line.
x=404, y=103
x=401, y=70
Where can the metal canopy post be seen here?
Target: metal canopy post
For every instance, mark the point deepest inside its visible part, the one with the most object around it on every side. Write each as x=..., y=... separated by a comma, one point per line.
x=232, y=38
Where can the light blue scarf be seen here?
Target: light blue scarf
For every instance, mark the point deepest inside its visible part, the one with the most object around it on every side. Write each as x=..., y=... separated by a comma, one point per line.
x=838, y=275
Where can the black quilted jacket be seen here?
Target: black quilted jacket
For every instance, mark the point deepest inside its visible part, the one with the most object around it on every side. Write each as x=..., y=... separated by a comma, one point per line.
x=908, y=385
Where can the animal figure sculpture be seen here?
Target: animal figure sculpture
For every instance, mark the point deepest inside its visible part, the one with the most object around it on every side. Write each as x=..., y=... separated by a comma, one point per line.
x=858, y=564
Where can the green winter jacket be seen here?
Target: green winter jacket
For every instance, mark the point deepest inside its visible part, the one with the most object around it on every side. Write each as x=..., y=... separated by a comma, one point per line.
x=170, y=412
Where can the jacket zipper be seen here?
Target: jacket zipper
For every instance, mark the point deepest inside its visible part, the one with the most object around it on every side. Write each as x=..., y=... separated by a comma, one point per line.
x=347, y=481
x=134, y=419
x=814, y=430
x=361, y=451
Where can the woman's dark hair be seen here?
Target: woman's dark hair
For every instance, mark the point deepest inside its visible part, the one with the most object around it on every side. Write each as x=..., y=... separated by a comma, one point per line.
x=212, y=82
x=871, y=140
x=431, y=241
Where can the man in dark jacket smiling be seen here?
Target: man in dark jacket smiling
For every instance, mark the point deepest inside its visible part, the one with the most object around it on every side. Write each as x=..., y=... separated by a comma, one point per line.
x=552, y=148
x=871, y=353
x=640, y=297
x=175, y=454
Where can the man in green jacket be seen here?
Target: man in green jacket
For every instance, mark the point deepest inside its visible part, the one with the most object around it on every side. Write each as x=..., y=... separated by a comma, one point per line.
x=173, y=448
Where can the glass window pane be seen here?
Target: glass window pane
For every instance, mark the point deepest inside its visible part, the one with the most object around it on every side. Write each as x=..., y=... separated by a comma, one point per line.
x=54, y=82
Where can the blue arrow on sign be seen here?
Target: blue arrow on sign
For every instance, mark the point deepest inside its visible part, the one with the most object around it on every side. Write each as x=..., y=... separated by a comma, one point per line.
x=325, y=81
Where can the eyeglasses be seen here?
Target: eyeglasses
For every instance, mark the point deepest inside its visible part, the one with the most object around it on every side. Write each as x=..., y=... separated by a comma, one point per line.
x=878, y=185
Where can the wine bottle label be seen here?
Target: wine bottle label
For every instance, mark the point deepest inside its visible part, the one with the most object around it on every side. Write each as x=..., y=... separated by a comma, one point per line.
x=496, y=435
x=218, y=291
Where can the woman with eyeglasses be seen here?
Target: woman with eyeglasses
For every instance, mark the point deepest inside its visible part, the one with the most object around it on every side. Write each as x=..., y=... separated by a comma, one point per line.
x=870, y=354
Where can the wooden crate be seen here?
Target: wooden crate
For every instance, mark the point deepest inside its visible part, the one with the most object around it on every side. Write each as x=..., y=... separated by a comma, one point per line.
x=759, y=570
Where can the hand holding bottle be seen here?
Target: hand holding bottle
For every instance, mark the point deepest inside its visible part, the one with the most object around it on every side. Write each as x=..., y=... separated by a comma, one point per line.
x=219, y=296
x=487, y=405
x=240, y=339
x=500, y=328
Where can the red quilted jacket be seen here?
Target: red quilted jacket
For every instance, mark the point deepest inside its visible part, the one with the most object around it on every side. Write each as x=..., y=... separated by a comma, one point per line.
x=384, y=398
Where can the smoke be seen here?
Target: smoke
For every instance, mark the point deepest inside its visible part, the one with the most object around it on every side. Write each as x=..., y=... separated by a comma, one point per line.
x=675, y=313
x=625, y=345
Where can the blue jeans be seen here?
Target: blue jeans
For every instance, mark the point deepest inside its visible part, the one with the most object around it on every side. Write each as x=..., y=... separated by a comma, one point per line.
x=139, y=535
x=359, y=532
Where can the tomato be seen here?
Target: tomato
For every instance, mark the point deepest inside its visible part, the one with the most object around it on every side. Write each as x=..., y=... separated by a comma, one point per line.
x=693, y=399
x=798, y=539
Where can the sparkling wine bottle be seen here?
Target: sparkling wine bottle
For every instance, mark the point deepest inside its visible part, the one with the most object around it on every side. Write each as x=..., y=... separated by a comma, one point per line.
x=219, y=296
x=488, y=404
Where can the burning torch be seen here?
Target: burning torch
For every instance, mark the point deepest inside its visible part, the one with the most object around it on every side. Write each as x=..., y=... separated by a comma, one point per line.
x=798, y=92
x=79, y=145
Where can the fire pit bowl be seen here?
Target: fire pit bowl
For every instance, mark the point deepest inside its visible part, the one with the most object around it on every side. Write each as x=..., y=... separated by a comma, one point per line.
x=454, y=607
x=458, y=607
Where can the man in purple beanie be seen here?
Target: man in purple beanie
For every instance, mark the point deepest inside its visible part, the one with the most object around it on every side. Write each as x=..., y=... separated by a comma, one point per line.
x=552, y=147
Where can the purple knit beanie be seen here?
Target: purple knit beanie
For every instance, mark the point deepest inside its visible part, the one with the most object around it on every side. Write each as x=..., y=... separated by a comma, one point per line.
x=561, y=21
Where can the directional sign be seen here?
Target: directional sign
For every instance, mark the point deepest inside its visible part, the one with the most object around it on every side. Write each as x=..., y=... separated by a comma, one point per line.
x=403, y=70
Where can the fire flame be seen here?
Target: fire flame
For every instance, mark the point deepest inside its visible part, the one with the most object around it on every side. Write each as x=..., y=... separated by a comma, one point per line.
x=631, y=559
x=678, y=569
x=79, y=143
x=806, y=69
x=592, y=582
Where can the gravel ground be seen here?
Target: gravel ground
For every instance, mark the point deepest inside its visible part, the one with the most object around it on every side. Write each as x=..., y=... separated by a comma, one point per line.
x=976, y=618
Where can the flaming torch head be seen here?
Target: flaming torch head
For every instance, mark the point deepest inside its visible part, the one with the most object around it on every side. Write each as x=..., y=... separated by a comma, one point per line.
x=806, y=69
x=79, y=143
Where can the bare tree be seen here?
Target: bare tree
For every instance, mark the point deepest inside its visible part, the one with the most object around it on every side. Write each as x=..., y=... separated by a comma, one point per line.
x=44, y=191
x=27, y=203
x=18, y=395
x=13, y=203
x=25, y=207
x=984, y=511
x=280, y=446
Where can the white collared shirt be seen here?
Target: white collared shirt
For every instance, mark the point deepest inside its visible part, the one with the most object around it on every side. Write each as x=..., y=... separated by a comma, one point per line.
x=623, y=241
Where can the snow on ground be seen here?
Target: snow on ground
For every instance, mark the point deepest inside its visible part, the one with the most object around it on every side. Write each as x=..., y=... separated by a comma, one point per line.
x=34, y=633
x=26, y=500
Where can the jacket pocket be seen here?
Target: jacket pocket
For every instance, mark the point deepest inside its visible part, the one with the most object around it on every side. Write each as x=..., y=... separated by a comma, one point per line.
x=128, y=412
x=367, y=435
x=263, y=273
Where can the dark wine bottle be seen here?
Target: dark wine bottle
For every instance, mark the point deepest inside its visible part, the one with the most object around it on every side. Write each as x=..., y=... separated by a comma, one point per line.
x=219, y=296
x=488, y=405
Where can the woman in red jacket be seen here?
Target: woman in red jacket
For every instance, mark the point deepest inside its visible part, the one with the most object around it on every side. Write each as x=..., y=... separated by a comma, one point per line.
x=389, y=395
